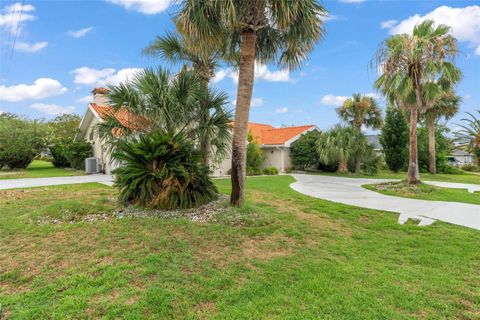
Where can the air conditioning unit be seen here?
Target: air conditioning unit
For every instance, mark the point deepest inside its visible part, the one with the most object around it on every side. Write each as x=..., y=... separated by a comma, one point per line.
x=92, y=165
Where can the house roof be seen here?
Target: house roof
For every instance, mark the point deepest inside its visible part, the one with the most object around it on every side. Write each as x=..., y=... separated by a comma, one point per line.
x=269, y=135
x=127, y=119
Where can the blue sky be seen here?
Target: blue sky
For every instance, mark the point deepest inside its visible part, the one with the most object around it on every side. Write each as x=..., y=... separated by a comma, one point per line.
x=66, y=48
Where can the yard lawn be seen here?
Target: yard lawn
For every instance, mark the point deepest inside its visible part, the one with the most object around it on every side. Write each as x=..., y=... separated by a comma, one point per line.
x=467, y=177
x=285, y=255
x=425, y=192
x=40, y=169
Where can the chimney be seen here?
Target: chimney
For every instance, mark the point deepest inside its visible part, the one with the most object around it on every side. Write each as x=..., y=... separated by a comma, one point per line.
x=100, y=96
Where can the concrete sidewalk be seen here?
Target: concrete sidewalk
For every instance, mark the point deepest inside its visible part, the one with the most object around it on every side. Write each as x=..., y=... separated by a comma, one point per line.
x=41, y=182
x=349, y=191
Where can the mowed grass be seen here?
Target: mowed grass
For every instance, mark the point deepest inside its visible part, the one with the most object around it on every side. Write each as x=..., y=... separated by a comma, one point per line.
x=467, y=177
x=39, y=169
x=284, y=256
x=425, y=192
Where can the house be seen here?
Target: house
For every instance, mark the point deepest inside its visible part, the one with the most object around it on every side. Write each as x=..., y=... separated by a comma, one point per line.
x=460, y=157
x=274, y=142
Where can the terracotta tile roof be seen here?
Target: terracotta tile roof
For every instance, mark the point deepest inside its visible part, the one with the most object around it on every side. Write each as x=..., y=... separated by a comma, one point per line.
x=100, y=90
x=127, y=119
x=269, y=135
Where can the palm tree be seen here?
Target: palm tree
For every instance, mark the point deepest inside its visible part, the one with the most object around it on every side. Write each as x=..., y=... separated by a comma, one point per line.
x=469, y=135
x=414, y=70
x=176, y=48
x=361, y=111
x=445, y=107
x=339, y=144
x=281, y=31
x=155, y=100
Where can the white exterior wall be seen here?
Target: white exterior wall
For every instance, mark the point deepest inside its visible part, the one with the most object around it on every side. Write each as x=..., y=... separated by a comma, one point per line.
x=99, y=151
x=278, y=157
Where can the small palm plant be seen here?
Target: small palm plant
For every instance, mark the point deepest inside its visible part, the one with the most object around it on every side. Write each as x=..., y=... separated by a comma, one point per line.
x=469, y=135
x=162, y=171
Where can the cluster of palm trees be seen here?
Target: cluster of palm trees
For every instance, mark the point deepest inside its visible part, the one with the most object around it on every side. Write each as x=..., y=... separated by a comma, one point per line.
x=418, y=74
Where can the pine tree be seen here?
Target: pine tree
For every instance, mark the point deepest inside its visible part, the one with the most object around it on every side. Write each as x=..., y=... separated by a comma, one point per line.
x=394, y=139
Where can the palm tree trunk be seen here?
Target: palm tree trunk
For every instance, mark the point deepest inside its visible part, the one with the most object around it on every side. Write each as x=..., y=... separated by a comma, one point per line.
x=206, y=145
x=342, y=166
x=240, y=128
x=413, y=176
x=432, y=167
x=358, y=160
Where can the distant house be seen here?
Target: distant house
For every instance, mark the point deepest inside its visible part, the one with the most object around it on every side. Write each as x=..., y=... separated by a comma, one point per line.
x=274, y=142
x=374, y=141
x=461, y=157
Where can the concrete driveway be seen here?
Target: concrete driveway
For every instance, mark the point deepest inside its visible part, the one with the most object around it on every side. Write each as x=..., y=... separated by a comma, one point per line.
x=350, y=191
x=41, y=182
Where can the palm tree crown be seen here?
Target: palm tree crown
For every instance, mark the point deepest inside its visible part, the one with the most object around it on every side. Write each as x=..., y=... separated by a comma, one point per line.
x=361, y=110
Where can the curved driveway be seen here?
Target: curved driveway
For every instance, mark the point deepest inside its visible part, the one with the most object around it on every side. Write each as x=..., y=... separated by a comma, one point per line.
x=350, y=191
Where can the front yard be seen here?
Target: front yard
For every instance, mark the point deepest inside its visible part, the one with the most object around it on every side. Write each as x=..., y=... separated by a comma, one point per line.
x=285, y=255
x=40, y=169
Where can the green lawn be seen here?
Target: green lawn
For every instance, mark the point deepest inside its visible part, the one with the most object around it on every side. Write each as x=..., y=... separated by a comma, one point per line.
x=467, y=177
x=39, y=169
x=291, y=257
x=425, y=192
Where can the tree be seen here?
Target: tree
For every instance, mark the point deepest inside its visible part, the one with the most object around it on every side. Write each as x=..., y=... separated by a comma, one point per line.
x=445, y=107
x=468, y=136
x=156, y=100
x=414, y=69
x=63, y=130
x=394, y=139
x=281, y=31
x=176, y=48
x=303, y=151
x=359, y=111
x=443, y=147
x=255, y=156
x=21, y=140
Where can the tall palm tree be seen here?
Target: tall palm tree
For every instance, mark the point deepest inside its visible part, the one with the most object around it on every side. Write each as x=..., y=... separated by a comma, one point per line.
x=445, y=107
x=156, y=100
x=414, y=69
x=469, y=135
x=339, y=144
x=176, y=48
x=361, y=110
x=280, y=31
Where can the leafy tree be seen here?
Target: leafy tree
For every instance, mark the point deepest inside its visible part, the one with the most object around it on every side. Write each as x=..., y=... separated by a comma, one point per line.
x=63, y=130
x=468, y=136
x=255, y=156
x=408, y=63
x=443, y=147
x=281, y=31
x=21, y=140
x=303, y=152
x=162, y=171
x=394, y=139
x=76, y=152
x=359, y=111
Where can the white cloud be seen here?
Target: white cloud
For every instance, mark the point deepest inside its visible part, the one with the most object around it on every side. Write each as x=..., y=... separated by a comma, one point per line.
x=261, y=73
x=331, y=100
x=144, y=6
x=52, y=109
x=86, y=99
x=352, y=1
x=27, y=47
x=465, y=23
x=11, y=19
x=256, y=102
x=79, y=33
x=328, y=17
x=281, y=110
x=93, y=77
x=388, y=24
x=41, y=88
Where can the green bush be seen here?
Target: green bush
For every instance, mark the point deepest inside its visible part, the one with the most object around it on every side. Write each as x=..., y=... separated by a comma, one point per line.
x=255, y=156
x=443, y=146
x=303, y=152
x=162, y=171
x=254, y=172
x=448, y=169
x=271, y=171
x=76, y=152
x=471, y=168
x=58, y=155
x=394, y=139
x=21, y=140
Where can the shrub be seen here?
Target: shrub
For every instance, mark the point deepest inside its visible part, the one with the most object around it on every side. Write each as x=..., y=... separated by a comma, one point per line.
x=371, y=162
x=76, y=152
x=394, y=139
x=253, y=172
x=271, y=171
x=448, y=169
x=255, y=156
x=471, y=168
x=304, y=151
x=58, y=155
x=21, y=140
x=162, y=171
